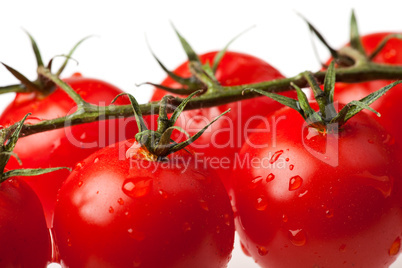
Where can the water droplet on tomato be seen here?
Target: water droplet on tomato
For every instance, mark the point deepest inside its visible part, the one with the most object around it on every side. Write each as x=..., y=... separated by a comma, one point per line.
x=262, y=250
x=139, y=236
x=69, y=242
x=244, y=249
x=79, y=165
x=120, y=201
x=285, y=218
x=96, y=160
x=297, y=237
x=383, y=183
x=270, y=177
x=186, y=227
x=218, y=229
x=111, y=209
x=80, y=183
x=389, y=140
x=295, y=183
x=291, y=167
x=254, y=183
x=163, y=194
x=204, y=205
x=303, y=194
x=227, y=219
x=342, y=248
x=287, y=159
x=275, y=156
x=261, y=203
x=395, y=247
x=329, y=213
x=138, y=187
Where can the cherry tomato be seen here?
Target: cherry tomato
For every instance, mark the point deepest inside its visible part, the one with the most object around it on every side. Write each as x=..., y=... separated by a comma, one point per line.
x=310, y=199
x=62, y=147
x=118, y=209
x=24, y=236
x=387, y=105
x=219, y=144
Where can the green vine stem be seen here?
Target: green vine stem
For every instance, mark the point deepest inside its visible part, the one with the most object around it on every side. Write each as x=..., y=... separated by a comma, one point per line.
x=86, y=113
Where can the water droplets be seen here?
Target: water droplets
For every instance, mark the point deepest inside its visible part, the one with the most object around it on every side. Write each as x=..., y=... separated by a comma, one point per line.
x=262, y=251
x=329, y=213
x=120, y=201
x=186, y=227
x=291, y=167
x=80, y=183
x=275, y=156
x=270, y=177
x=226, y=217
x=111, y=210
x=297, y=237
x=261, y=203
x=163, y=194
x=295, y=183
x=204, y=205
x=285, y=218
x=395, y=247
x=96, y=160
x=137, y=235
x=255, y=182
x=137, y=188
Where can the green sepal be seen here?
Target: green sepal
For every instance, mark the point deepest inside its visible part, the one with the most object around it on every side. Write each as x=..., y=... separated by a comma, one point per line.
x=292, y=103
x=30, y=86
x=382, y=44
x=329, y=91
x=321, y=38
x=176, y=113
x=218, y=57
x=191, y=82
x=183, y=144
x=35, y=48
x=137, y=111
x=29, y=172
x=355, y=107
x=191, y=55
x=306, y=111
x=355, y=41
x=68, y=56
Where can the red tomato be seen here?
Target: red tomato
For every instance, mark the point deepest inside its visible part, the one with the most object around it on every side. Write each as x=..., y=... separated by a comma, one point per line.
x=387, y=105
x=24, y=236
x=118, y=211
x=62, y=147
x=219, y=144
x=310, y=199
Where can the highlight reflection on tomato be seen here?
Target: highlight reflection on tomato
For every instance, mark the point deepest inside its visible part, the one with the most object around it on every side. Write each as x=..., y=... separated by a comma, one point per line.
x=117, y=209
x=320, y=200
x=62, y=147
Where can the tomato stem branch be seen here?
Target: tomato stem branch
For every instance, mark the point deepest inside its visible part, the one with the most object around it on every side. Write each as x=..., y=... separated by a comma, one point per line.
x=87, y=113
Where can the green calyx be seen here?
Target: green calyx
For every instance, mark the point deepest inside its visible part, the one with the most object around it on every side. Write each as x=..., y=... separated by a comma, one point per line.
x=327, y=114
x=7, y=146
x=203, y=75
x=42, y=84
x=159, y=143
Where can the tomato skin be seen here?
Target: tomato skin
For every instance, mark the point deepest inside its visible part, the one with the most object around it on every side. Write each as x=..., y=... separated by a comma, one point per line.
x=300, y=211
x=388, y=104
x=111, y=215
x=225, y=137
x=24, y=236
x=62, y=147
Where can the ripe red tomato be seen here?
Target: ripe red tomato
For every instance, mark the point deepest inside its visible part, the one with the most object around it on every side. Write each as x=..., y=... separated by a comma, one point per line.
x=218, y=145
x=387, y=105
x=310, y=199
x=117, y=209
x=24, y=236
x=62, y=147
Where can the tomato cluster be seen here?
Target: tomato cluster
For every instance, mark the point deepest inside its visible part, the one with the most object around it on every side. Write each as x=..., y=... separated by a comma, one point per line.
x=298, y=193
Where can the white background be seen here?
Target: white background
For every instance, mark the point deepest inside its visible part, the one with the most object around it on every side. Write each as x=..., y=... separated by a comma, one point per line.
x=118, y=53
